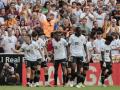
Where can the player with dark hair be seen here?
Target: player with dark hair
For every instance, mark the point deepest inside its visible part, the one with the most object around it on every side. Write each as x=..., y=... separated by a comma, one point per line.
x=42, y=39
x=106, y=63
x=77, y=50
x=32, y=52
x=60, y=55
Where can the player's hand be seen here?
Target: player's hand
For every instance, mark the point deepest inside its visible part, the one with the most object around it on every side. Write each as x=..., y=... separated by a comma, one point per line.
x=81, y=70
x=69, y=58
x=48, y=59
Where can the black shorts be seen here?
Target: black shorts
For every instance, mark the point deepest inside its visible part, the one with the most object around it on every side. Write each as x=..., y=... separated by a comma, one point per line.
x=44, y=64
x=108, y=65
x=69, y=64
x=63, y=62
x=86, y=66
x=77, y=59
x=33, y=64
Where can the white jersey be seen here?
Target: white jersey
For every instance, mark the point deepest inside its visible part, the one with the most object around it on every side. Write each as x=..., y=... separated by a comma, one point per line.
x=77, y=45
x=41, y=44
x=114, y=45
x=99, y=44
x=59, y=49
x=30, y=51
x=9, y=43
x=107, y=51
x=90, y=49
x=38, y=54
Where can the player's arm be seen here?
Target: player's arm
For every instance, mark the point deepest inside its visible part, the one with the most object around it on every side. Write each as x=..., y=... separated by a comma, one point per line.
x=46, y=53
x=40, y=51
x=110, y=55
x=102, y=55
x=17, y=51
x=85, y=48
x=68, y=52
x=94, y=47
x=22, y=49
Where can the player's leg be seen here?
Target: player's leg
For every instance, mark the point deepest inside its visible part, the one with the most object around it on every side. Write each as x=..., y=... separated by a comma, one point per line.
x=33, y=70
x=85, y=69
x=69, y=76
x=103, y=69
x=108, y=71
x=28, y=65
x=56, y=65
x=64, y=69
x=80, y=73
x=45, y=67
x=73, y=70
x=37, y=72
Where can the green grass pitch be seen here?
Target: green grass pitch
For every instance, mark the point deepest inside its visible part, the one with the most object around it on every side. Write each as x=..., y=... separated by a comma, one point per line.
x=58, y=88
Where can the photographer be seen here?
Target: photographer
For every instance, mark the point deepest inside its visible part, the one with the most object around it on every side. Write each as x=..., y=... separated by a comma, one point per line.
x=8, y=75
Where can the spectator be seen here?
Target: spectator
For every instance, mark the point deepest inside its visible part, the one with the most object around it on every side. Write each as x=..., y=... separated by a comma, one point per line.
x=115, y=44
x=96, y=28
x=98, y=43
x=48, y=25
x=113, y=27
x=89, y=16
x=46, y=7
x=100, y=17
x=84, y=26
x=9, y=41
x=1, y=38
x=78, y=12
x=2, y=5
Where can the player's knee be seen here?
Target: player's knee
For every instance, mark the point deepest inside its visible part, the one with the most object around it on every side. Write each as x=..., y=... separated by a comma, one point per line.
x=28, y=69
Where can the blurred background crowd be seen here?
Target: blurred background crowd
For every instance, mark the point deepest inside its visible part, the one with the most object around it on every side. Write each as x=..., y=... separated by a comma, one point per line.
x=20, y=17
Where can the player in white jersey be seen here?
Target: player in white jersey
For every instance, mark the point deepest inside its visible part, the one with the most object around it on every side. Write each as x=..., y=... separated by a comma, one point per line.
x=77, y=50
x=42, y=44
x=106, y=63
x=29, y=48
x=40, y=58
x=60, y=55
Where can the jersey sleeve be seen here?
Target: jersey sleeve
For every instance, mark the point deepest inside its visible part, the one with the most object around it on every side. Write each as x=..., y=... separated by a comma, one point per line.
x=36, y=46
x=65, y=42
x=22, y=48
x=70, y=40
x=84, y=40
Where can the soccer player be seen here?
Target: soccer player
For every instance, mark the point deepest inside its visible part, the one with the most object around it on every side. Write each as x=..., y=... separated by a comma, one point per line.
x=106, y=63
x=30, y=48
x=60, y=55
x=39, y=56
x=77, y=50
x=42, y=45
